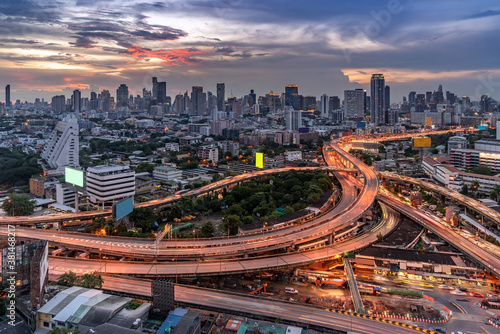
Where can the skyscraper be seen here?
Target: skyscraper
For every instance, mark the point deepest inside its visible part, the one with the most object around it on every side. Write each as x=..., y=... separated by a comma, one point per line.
x=105, y=101
x=198, y=101
x=77, y=102
x=292, y=96
x=324, y=106
x=161, y=96
x=387, y=97
x=293, y=119
x=221, y=92
x=354, y=103
x=253, y=96
x=412, y=98
x=333, y=103
x=155, y=87
x=58, y=104
x=8, y=103
x=377, y=115
x=122, y=96
x=94, y=103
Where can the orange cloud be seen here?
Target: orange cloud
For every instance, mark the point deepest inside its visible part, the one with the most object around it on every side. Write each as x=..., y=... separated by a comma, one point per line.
x=175, y=57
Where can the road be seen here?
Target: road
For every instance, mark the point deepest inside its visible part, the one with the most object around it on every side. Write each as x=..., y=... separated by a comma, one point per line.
x=258, y=306
x=489, y=260
x=162, y=202
x=60, y=265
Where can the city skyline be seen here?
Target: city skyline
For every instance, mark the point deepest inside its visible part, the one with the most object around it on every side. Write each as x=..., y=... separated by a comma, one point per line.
x=48, y=49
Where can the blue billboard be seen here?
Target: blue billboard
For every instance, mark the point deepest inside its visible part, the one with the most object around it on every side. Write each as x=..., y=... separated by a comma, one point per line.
x=303, y=130
x=361, y=125
x=124, y=208
x=481, y=127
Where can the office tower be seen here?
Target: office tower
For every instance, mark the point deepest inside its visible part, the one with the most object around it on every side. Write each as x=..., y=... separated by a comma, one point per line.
x=76, y=99
x=391, y=116
x=179, y=104
x=62, y=147
x=293, y=119
x=221, y=98
x=337, y=115
x=58, y=104
x=412, y=98
x=354, y=103
x=94, y=102
x=105, y=101
x=161, y=96
x=428, y=97
x=198, y=101
x=107, y=184
x=187, y=103
x=253, y=96
x=292, y=96
x=387, y=97
x=333, y=103
x=230, y=102
x=324, y=106
x=420, y=103
x=155, y=88
x=377, y=115
x=439, y=96
x=8, y=103
x=122, y=96
x=309, y=102
x=211, y=103
x=484, y=103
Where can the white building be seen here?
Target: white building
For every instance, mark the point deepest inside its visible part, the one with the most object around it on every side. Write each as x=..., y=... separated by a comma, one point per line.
x=487, y=145
x=172, y=147
x=167, y=173
x=208, y=153
x=293, y=155
x=293, y=119
x=65, y=194
x=109, y=183
x=62, y=147
x=324, y=106
x=456, y=142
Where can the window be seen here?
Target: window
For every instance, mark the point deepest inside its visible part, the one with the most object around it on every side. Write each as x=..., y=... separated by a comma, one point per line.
x=46, y=324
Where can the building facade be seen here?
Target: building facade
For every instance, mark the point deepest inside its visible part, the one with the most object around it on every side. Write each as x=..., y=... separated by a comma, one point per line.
x=62, y=148
x=107, y=184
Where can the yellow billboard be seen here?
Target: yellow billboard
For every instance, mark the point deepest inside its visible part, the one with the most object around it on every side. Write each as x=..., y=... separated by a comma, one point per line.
x=259, y=160
x=422, y=142
x=428, y=121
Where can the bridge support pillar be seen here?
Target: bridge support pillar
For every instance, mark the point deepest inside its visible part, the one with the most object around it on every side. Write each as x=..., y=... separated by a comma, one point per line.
x=330, y=239
x=245, y=256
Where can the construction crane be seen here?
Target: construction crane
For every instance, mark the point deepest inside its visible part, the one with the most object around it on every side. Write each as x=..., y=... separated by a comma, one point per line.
x=263, y=286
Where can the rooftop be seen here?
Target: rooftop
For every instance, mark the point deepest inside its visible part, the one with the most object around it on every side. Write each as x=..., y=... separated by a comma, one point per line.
x=407, y=255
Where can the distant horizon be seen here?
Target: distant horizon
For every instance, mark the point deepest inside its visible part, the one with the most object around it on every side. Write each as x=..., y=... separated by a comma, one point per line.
x=51, y=48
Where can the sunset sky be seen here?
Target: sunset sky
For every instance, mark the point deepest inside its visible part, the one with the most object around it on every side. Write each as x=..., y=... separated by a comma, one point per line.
x=52, y=47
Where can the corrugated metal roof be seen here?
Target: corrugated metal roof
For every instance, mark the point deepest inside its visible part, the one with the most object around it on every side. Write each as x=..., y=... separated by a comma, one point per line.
x=63, y=298
x=71, y=308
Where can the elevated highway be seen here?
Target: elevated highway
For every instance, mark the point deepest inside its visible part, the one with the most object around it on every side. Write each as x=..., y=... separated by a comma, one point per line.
x=224, y=267
x=162, y=202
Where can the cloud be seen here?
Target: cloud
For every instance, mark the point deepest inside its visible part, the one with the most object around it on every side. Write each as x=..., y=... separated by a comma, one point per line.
x=486, y=13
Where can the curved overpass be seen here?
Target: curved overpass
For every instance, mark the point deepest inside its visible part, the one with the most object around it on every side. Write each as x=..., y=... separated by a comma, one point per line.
x=159, y=203
x=224, y=267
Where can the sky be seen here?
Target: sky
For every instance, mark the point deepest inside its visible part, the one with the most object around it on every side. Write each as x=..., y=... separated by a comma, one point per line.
x=51, y=47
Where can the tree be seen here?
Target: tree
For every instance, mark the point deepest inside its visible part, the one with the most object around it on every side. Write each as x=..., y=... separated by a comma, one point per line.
x=465, y=190
x=380, y=237
x=67, y=279
x=91, y=281
x=236, y=209
x=19, y=205
x=482, y=169
x=145, y=167
x=207, y=229
x=231, y=222
x=143, y=218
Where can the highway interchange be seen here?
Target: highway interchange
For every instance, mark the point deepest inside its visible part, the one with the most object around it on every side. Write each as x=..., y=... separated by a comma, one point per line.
x=350, y=209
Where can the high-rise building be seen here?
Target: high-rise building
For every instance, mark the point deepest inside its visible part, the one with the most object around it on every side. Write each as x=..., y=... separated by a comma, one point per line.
x=324, y=106
x=62, y=147
x=387, y=97
x=293, y=119
x=221, y=92
x=122, y=96
x=333, y=103
x=420, y=103
x=162, y=92
x=107, y=184
x=155, y=88
x=178, y=104
x=77, y=102
x=198, y=101
x=58, y=104
x=105, y=101
x=412, y=98
x=292, y=96
x=377, y=114
x=354, y=103
x=8, y=102
x=485, y=103
x=253, y=96
x=309, y=102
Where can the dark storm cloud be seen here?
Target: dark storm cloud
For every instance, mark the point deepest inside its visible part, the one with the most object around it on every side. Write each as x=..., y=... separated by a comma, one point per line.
x=83, y=42
x=18, y=41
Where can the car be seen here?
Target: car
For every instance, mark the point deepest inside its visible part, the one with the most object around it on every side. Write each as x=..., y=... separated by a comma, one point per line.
x=291, y=290
x=476, y=294
x=427, y=285
x=458, y=293
x=492, y=294
x=445, y=287
x=462, y=289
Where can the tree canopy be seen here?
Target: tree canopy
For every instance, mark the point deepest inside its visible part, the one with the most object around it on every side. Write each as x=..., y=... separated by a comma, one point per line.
x=18, y=205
